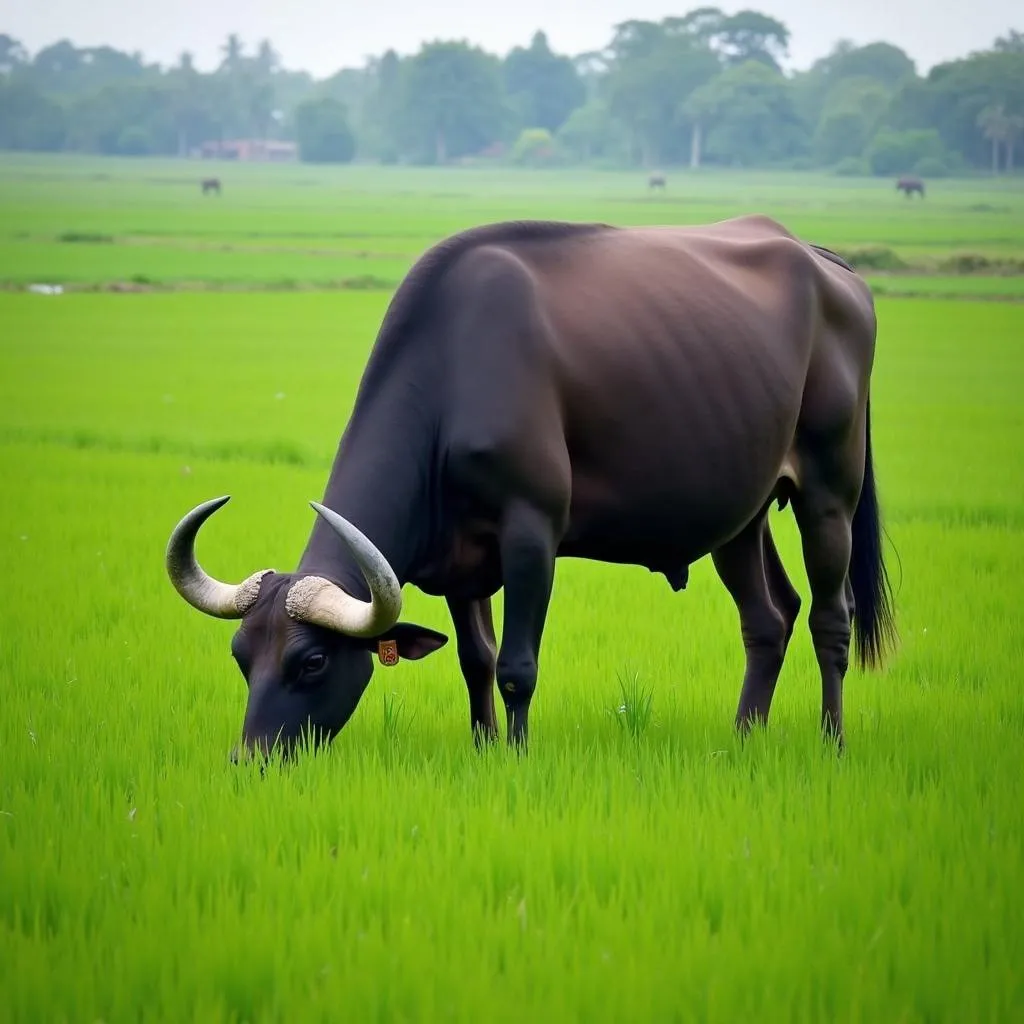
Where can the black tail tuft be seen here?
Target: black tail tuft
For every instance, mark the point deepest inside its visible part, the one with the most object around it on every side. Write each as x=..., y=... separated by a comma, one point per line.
x=874, y=623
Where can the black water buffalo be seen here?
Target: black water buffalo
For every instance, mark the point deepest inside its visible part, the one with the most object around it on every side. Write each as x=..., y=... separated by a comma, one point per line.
x=536, y=390
x=656, y=180
x=210, y=185
x=910, y=185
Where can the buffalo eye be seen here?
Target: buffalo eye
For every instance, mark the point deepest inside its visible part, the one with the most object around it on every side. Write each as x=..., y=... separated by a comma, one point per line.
x=314, y=663
x=305, y=671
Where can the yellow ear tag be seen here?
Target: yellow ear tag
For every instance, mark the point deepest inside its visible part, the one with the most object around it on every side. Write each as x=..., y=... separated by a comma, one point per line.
x=387, y=651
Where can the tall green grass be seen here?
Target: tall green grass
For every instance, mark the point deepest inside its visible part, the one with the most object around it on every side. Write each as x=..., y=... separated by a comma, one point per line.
x=631, y=867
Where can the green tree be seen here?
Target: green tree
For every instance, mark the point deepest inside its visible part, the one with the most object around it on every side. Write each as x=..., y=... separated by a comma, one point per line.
x=848, y=80
x=750, y=116
x=703, y=25
x=992, y=122
x=659, y=92
x=247, y=96
x=1012, y=42
x=379, y=104
x=55, y=66
x=98, y=120
x=656, y=69
x=191, y=119
x=535, y=147
x=451, y=102
x=62, y=70
x=749, y=36
x=592, y=69
x=1001, y=128
x=134, y=140
x=231, y=52
x=852, y=113
x=840, y=134
x=893, y=152
x=258, y=93
x=881, y=62
x=543, y=87
x=952, y=97
x=1015, y=133
x=267, y=60
x=323, y=133
x=29, y=120
x=13, y=55
x=736, y=38
x=592, y=132
x=290, y=89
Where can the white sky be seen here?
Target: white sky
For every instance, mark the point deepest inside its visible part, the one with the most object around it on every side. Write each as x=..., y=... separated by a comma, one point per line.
x=323, y=35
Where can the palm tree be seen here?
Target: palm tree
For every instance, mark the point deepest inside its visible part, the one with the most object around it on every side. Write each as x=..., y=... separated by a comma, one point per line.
x=12, y=54
x=186, y=94
x=1014, y=131
x=232, y=50
x=701, y=108
x=267, y=59
x=993, y=122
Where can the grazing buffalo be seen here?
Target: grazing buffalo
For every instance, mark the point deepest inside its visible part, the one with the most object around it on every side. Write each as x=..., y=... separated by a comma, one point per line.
x=536, y=390
x=656, y=180
x=210, y=185
x=910, y=185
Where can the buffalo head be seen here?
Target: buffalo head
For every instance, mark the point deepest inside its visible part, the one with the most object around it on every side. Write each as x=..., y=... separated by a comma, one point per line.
x=304, y=645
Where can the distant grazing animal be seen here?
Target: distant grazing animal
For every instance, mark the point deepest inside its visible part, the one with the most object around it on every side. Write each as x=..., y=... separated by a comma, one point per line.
x=656, y=180
x=910, y=185
x=541, y=390
x=211, y=185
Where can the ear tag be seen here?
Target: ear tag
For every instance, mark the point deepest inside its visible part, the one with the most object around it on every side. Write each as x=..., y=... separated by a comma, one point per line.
x=387, y=651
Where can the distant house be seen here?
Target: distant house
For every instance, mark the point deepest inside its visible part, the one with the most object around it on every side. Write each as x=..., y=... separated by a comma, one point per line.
x=249, y=150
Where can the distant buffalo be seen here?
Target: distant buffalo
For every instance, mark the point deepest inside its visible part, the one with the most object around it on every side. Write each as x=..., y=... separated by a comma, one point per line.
x=910, y=185
x=656, y=180
x=210, y=185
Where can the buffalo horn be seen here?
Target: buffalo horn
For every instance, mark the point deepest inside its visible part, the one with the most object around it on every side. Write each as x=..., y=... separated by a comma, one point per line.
x=202, y=591
x=318, y=601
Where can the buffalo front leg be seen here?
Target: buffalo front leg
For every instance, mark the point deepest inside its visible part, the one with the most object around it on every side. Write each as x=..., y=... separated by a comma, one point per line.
x=474, y=636
x=528, y=550
x=749, y=567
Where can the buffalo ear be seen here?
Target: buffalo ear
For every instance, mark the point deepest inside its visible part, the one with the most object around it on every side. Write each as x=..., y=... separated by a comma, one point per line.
x=412, y=642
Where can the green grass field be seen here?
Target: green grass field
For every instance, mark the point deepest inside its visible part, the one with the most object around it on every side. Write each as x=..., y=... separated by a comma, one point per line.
x=670, y=874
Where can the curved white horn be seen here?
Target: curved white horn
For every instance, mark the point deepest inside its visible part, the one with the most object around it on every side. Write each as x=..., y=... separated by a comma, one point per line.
x=316, y=600
x=203, y=592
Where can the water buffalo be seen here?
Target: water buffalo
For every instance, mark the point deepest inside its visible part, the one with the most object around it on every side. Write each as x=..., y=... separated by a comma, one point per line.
x=210, y=185
x=537, y=390
x=656, y=180
x=910, y=185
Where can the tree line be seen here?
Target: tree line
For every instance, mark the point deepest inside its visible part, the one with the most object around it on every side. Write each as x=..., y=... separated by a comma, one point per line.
x=702, y=88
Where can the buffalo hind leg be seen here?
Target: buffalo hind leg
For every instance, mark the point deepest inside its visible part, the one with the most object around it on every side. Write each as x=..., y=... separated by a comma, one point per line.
x=750, y=568
x=474, y=637
x=825, y=523
x=784, y=594
x=528, y=547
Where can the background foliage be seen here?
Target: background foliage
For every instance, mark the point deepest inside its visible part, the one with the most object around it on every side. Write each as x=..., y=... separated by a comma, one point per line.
x=702, y=88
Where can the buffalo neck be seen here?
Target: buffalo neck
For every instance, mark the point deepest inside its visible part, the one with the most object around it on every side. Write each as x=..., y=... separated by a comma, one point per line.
x=381, y=482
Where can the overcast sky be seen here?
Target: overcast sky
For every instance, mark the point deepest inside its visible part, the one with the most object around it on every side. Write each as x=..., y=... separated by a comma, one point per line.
x=323, y=35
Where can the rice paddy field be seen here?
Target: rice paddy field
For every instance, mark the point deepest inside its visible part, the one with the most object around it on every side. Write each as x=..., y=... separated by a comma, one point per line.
x=640, y=863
